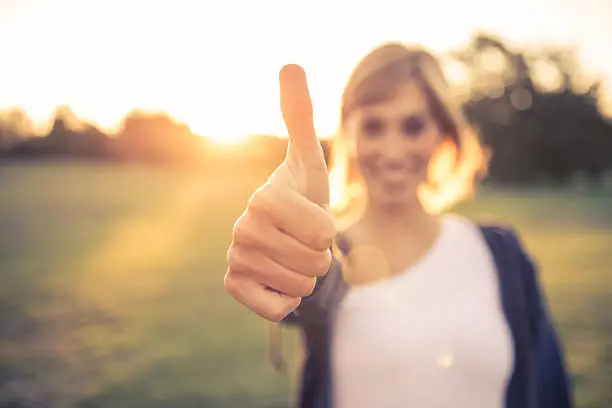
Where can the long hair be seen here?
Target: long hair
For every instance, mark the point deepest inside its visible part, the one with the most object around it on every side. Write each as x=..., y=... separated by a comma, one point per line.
x=457, y=163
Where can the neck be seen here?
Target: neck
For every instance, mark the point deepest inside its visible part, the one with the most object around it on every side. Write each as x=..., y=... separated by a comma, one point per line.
x=409, y=218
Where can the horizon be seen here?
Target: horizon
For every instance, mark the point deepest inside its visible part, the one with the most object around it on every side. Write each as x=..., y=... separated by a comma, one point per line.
x=216, y=68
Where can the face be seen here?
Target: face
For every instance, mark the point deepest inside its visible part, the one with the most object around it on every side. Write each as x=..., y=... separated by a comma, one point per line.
x=394, y=142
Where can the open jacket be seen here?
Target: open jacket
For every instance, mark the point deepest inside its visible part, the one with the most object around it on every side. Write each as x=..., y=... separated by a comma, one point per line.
x=539, y=379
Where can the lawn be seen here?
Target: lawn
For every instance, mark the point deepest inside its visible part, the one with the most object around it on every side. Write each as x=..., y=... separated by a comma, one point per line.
x=111, y=287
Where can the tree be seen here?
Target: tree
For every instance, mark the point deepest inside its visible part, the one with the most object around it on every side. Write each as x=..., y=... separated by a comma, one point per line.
x=15, y=125
x=157, y=138
x=537, y=131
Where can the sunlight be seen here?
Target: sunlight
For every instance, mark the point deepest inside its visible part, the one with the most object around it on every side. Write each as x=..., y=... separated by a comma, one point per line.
x=229, y=140
x=217, y=70
x=136, y=259
x=222, y=135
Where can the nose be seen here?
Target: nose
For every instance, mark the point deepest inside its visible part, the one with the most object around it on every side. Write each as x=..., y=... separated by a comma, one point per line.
x=394, y=148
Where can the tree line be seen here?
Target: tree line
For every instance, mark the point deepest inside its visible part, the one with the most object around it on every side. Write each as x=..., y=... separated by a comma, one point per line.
x=535, y=109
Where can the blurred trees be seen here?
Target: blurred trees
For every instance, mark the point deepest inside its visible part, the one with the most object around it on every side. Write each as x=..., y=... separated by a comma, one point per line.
x=143, y=137
x=15, y=126
x=157, y=138
x=537, y=111
x=535, y=108
x=67, y=138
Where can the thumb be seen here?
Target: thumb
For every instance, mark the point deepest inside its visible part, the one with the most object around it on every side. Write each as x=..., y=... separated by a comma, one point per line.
x=305, y=155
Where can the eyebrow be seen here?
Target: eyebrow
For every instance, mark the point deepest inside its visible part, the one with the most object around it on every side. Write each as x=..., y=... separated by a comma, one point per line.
x=403, y=116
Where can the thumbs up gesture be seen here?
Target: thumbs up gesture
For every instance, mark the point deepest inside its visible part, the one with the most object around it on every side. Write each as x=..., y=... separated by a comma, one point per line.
x=281, y=243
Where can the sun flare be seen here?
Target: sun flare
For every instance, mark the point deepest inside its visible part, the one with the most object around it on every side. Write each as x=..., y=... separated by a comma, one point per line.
x=217, y=70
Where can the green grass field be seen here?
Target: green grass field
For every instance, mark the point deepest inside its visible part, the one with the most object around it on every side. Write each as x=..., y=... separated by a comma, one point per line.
x=111, y=287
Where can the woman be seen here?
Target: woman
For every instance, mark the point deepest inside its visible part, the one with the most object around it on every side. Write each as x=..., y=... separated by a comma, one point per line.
x=418, y=307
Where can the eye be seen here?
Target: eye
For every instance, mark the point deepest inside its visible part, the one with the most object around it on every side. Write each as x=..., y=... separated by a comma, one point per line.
x=372, y=127
x=413, y=126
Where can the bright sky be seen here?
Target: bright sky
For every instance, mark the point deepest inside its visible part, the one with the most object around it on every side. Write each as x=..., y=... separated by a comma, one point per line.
x=214, y=64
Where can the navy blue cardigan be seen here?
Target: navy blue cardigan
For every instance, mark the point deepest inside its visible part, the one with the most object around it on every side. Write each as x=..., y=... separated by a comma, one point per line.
x=540, y=378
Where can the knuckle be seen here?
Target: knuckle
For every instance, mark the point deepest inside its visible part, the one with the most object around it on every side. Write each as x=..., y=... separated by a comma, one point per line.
x=231, y=284
x=263, y=199
x=239, y=225
x=243, y=229
x=237, y=259
x=229, y=255
x=256, y=201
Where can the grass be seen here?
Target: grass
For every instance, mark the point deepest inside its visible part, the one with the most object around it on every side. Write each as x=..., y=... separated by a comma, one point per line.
x=111, y=287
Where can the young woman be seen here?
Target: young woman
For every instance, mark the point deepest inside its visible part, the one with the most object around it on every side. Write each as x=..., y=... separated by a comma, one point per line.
x=412, y=306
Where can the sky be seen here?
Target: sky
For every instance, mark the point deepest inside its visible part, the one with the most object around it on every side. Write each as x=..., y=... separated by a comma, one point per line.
x=214, y=64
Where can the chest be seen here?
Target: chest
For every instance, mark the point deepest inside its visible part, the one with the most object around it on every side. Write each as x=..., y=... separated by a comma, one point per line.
x=410, y=329
x=441, y=326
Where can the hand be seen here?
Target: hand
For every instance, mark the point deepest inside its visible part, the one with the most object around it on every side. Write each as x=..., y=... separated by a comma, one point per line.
x=281, y=243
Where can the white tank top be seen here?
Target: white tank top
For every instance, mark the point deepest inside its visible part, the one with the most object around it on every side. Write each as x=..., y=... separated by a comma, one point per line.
x=432, y=337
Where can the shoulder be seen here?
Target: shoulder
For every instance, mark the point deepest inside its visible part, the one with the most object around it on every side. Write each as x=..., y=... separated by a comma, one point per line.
x=498, y=231
x=506, y=244
x=513, y=259
x=504, y=232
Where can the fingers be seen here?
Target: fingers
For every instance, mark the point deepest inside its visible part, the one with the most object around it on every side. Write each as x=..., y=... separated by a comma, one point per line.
x=280, y=245
x=292, y=213
x=268, y=273
x=282, y=242
x=252, y=233
x=264, y=302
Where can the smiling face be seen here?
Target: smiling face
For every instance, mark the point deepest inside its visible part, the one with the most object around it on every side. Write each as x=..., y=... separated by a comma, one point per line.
x=404, y=139
x=394, y=141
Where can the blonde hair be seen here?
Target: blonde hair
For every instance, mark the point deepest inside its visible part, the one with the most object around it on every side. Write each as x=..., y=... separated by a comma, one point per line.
x=456, y=164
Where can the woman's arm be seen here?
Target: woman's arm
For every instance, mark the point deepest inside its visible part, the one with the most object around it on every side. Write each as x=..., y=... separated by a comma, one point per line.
x=554, y=384
x=312, y=308
x=310, y=313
